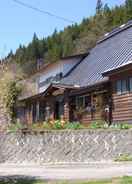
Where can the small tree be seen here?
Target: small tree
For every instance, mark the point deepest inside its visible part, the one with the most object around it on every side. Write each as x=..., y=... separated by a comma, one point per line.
x=10, y=88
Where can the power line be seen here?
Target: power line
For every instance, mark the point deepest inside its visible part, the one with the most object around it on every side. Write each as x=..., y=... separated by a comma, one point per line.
x=43, y=11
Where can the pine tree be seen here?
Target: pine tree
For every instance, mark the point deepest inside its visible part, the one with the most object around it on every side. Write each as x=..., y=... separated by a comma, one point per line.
x=106, y=9
x=35, y=47
x=99, y=6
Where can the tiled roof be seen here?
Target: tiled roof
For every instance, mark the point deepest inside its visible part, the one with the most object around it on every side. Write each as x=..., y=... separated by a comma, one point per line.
x=113, y=50
x=119, y=67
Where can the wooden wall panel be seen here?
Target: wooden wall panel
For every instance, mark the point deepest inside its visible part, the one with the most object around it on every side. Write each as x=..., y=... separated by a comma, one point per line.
x=122, y=106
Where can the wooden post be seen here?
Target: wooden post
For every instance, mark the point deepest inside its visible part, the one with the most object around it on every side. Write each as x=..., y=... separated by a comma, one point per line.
x=52, y=108
x=37, y=111
x=29, y=114
x=92, y=105
x=66, y=106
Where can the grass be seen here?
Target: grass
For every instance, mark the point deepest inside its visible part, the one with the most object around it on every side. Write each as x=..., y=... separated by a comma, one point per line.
x=124, y=180
x=124, y=158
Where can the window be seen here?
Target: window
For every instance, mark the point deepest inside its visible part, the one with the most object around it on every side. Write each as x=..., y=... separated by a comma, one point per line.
x=87, y=101
x=83, y=101
x=80, y=101
x=121, y=86
x=118, y=87
x=130, y=84
x=124, y=86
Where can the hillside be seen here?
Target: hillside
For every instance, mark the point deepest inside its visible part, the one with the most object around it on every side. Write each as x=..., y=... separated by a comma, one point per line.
x=73, y=39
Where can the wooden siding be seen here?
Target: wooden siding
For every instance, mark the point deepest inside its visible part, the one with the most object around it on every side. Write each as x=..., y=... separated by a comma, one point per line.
x=122, y=107
x=122, y=103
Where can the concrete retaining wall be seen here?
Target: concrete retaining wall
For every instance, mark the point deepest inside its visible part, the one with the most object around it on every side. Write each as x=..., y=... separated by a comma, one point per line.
x=79, y=146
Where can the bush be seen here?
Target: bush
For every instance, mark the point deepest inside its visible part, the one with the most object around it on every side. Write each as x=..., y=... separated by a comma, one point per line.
x=10, y=89
x=98, y=124
x=124, y=158
x=57, y=125
x=40, y=126
x=121, y=126
x=124, y=126
x=104, y=125
x=14, y=127
x=74, y=125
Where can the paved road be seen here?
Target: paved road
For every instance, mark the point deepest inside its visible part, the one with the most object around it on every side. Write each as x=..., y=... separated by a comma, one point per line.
x=82, y=172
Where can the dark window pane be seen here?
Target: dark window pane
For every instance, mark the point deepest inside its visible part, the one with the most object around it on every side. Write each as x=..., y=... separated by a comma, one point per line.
x=80, y=101
x=34, y=112
x=124, y=86
x=118, y=87
x=87, y=101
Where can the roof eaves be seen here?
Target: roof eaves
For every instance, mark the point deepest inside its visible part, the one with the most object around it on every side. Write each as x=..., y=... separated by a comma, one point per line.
x=119, y=68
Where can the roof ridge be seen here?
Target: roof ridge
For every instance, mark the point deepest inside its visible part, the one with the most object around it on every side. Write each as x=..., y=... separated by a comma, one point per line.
x=115, y=31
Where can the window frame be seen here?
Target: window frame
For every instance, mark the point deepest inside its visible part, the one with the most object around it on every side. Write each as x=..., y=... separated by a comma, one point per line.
x=130, y=88
x=127, y=87
x=122, y=91
x=118, y=91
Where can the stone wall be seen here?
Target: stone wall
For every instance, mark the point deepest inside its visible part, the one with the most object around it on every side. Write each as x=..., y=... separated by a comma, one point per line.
x=79, y=146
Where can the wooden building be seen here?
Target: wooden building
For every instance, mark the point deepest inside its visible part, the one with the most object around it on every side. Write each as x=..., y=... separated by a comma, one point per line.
x=86, y=87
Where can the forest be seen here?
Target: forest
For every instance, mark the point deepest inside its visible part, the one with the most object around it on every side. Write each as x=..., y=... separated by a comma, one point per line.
x=74, y=39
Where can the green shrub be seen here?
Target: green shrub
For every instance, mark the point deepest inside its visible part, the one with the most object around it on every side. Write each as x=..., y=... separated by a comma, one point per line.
x=14, y=127
x=124, y=126
x=74, y=125
x=46, y=125
x=98, y=124
x=40, y=126
x=120, y=126
x=104, y=125
x=123, y=158
x=10, y=89
x=57, y=125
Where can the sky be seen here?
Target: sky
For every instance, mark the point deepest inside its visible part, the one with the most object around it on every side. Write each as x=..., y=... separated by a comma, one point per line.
x=18, y=24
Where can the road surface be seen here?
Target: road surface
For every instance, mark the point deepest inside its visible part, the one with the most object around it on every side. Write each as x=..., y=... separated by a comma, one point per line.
x=65, y=172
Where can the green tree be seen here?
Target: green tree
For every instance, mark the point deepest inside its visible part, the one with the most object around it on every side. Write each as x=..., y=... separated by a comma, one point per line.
x=10, y=88
x=106, y=9
x=99, y=6
x=128, y=4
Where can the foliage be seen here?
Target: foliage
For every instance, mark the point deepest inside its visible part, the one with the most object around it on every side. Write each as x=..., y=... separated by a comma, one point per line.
x=40, y=126
x=13, y=180
x=99, y=6
x=121, y=126
x=74, y=39
x=57, y=125
x=14, y=127
x=124, y=158
x=104, y=125
x=74, y=125
x=10, y=88
x=98, y=124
